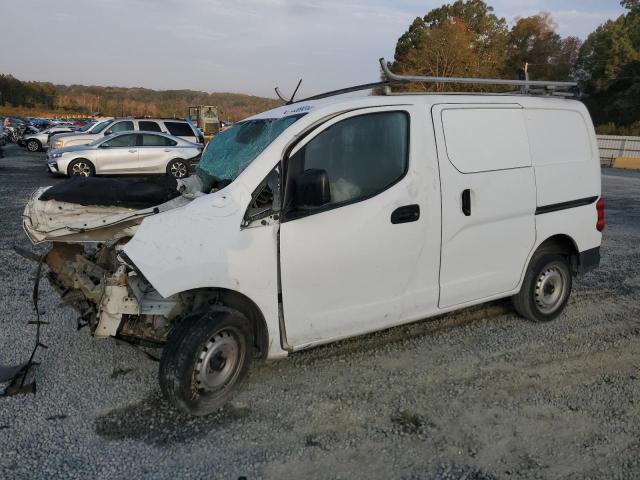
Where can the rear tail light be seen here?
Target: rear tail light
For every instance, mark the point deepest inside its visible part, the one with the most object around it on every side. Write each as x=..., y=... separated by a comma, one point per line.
x=600, y=210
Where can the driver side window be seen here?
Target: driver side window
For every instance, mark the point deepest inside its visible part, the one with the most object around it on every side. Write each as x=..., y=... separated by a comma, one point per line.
x=362, y=156
x=120, y=127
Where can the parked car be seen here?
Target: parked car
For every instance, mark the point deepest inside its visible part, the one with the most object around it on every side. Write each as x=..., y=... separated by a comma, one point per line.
x=331, y=218
x=29, y=130
x=37, y=142
x=127, y=153
x=175, y=127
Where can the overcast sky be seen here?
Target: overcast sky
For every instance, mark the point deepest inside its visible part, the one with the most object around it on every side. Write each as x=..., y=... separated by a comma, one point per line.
x=245, y=46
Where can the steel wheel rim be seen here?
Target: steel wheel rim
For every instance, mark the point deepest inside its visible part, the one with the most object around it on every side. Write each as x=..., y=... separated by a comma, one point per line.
x=550, y=289
x=219, y=361
x=80, y=169
x=33, y=146
x=178, y=169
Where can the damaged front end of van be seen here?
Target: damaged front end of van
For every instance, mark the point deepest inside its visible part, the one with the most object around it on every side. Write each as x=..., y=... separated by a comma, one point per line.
x=177, y=264
x=87, y=222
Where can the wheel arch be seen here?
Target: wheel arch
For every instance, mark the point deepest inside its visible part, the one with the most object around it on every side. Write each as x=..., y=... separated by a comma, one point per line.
x=203, y=299
x=561, y=244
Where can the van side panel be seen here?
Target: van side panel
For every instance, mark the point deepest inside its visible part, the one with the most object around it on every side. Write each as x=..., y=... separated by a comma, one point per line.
x=493, y=139
x=562, y=155
x=566, y=162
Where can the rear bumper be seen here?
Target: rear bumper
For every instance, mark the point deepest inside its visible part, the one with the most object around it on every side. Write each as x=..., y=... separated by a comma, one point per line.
x=589, y=260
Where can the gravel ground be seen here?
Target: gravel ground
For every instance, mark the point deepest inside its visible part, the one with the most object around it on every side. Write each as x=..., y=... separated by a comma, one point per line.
x=481, y=394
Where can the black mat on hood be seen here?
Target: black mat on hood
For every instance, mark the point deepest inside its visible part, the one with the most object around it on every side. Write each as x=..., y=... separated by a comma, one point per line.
x=131, y=193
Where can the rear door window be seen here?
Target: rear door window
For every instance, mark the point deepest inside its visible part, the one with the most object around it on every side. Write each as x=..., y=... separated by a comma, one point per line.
x=149, y=140
x=148, y=126
x=122, y=141
x=179, y=129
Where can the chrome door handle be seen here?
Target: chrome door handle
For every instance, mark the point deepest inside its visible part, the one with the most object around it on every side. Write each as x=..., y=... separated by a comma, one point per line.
x=167, y=150
x=133, y=151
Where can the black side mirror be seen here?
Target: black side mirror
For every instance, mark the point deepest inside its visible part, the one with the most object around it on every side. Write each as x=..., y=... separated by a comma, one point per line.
x=312, y=189
x=107, y=133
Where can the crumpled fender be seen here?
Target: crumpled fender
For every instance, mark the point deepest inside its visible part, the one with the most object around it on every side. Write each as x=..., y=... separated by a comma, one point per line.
x=203, y=246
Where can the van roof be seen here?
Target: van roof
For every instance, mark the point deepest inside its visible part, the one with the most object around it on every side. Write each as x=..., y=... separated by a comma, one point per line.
x=339, y=103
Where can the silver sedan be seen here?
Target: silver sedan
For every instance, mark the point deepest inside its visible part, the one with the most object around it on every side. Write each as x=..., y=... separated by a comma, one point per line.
x=127, y=153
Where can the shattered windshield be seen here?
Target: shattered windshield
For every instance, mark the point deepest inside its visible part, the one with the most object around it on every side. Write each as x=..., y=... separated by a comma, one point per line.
x=231, y=151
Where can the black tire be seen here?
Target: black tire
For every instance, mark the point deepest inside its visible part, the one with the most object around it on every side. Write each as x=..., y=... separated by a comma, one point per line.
x=34, y=145
x=546, y=287
x=178, y=168
x=200, y=348
x=81, y=167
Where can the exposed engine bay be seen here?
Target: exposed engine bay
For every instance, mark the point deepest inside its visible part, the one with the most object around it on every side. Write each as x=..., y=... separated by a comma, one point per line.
x=86, y=263
x=109, y=296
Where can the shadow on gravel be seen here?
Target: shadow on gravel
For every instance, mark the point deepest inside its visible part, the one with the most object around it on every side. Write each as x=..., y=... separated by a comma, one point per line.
x=154, y=422
x=459, y=472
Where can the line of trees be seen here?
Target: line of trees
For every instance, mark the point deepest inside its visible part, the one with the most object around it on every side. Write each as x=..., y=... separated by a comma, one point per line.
x=28, y=94
x=467, y=39
x=116, y=101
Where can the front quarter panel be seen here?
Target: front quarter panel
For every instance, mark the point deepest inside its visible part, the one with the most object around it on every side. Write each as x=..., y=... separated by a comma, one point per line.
x=202, y=245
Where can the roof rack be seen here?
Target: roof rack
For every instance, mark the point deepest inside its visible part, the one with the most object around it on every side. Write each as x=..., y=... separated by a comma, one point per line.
x=533, y=87
x=527, y=84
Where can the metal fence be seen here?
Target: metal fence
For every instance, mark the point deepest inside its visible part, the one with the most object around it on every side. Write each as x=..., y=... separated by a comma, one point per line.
x=613, y=146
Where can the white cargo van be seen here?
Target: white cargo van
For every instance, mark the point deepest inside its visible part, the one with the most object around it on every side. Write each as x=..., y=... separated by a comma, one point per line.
x=334, y=217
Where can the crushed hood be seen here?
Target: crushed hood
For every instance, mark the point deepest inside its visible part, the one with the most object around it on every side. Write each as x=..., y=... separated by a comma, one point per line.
x=58, y=221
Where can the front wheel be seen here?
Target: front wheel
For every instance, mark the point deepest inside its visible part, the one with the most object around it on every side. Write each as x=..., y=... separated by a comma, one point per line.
x=81, y=168
x=34, y=145
x=178, y=168
x=546, y=288
x=206, y=357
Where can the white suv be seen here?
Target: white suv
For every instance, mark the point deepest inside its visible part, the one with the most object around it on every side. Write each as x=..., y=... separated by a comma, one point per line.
x=174, y=126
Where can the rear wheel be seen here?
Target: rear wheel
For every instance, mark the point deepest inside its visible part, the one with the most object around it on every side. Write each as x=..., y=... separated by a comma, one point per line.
x=34, y=145
x=206, y=357
x=546, y=288
x=81, y=168
x=178, y=168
